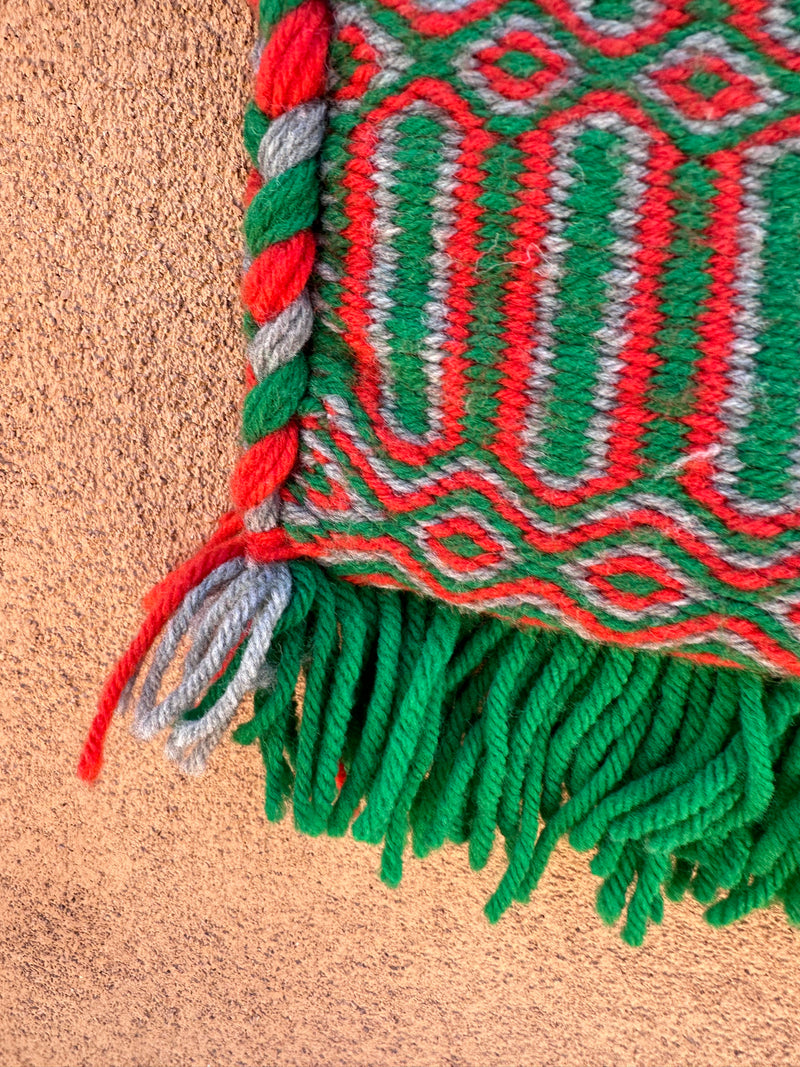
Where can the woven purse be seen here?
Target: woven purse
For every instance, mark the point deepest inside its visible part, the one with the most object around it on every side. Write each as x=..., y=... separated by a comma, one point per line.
x=514, y=540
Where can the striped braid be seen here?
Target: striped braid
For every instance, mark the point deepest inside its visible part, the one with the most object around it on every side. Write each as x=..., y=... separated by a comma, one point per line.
x=288, y=93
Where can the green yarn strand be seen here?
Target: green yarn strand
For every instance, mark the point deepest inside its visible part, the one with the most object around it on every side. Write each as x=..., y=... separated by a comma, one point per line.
x=272, y=11
x=323, y=647
x=496, y=716
x=612, y=677
x=341, y=691
x=254, y=127
x=282, y=207
x=419, y=701
x=376, y=719
x=272, y=402
x=394, y=715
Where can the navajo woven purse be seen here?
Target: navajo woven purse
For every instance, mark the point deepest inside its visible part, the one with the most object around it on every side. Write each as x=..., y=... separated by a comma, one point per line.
x=514, y=544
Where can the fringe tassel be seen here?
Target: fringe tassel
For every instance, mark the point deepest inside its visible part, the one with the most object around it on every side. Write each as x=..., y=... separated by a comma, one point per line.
x=416, y=719
x=225, y=544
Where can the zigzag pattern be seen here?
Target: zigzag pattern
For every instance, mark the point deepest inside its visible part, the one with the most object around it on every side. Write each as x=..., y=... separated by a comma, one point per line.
x=553, y=372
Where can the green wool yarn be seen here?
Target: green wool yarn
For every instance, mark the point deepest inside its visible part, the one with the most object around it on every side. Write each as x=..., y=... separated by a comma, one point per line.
x=678, y=776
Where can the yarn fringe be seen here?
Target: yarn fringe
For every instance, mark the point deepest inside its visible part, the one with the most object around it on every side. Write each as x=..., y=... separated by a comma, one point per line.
x=398, y=716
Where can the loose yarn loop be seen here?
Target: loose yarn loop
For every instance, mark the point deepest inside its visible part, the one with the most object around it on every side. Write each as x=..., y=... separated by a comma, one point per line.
x=678, y=776
x=162, y=602
x=231, y=603
x=225, y=609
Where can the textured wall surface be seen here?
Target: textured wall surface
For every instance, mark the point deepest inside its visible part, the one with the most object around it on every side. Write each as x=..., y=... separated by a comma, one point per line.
x=152, y=920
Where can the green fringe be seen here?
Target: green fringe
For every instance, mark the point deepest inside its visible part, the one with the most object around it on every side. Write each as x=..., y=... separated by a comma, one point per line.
x=452, y=726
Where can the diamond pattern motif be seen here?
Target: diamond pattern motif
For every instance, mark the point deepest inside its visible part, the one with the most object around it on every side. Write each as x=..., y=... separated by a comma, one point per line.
x=710, y=86
x=518, y=68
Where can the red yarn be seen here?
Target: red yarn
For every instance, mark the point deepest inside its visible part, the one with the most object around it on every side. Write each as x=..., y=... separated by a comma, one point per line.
x=164, y=600
x=278, y=276
x=293, y=69
x=254, y=183
x=264, y=467
x=230, y=525
x=341, y=776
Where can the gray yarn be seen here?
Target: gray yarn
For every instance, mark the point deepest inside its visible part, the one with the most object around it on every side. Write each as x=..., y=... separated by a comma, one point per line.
x=291, y=138
x=256, y=53
x=125, y=696
x=191, y=604
x=150, y=719
x=264, y=516
x=191, y=742
x=279, y=340
x=217, y=577
x=208, y=620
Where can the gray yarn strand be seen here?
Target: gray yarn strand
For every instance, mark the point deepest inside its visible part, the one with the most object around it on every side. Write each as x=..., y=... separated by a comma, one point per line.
x=179, y=624
x=191, y=742
x=208, y=620
x=150, y=720
x=291, y=138
x=280, y=339
x=263, y=516
x=125, y=696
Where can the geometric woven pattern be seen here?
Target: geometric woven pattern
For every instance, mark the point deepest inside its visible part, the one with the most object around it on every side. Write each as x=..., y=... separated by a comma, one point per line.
x=554, y=372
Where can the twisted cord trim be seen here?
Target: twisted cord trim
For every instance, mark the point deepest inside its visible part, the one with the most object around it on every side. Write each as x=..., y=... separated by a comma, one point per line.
x=282, y=204
x=283, y=197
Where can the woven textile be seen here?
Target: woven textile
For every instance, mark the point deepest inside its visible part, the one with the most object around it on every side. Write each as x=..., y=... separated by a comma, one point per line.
x=554, y=374
x=520, y=492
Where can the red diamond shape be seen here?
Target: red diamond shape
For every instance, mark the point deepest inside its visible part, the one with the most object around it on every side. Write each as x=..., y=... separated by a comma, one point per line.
x=506, y=84
x=667, y=589
x=488, y=551
x=738, y=93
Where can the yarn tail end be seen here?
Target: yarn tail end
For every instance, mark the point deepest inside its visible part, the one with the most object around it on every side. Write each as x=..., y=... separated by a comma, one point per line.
x=224, y=546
